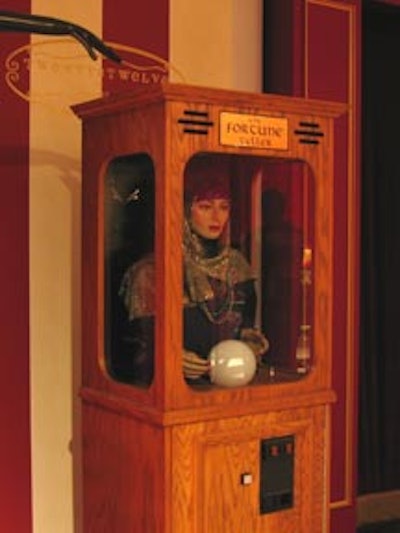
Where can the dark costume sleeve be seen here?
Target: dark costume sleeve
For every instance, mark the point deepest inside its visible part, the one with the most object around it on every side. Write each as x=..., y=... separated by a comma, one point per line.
x=136, y=353
x=206, y=323
x=201, y=333
x=135, y=363
x=249, y=307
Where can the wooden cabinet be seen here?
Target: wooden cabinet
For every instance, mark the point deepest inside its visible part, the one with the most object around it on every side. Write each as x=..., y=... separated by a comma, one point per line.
x=211, y=459
x=163, y=452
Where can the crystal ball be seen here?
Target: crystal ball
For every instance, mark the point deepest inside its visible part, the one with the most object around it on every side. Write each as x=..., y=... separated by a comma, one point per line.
x=232, y=363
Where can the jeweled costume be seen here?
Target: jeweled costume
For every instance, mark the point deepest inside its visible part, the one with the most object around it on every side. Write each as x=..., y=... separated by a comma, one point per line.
x=218, y=302
x=219, y=293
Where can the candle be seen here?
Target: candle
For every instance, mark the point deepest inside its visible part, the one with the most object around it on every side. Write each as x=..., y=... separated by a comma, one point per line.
x=307, y=257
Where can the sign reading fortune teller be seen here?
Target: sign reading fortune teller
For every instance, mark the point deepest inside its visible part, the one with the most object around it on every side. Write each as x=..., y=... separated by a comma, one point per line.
x=253, y=131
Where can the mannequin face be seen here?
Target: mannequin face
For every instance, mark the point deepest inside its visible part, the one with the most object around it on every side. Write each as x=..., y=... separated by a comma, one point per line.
x=209, y=216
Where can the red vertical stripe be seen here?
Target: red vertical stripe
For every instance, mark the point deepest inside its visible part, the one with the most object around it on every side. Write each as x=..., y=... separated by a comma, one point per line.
x=328, y=53
x=15, y=468
x=138, y=24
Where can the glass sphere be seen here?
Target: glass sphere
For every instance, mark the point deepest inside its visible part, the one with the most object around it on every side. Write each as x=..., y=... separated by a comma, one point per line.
x=232, y=363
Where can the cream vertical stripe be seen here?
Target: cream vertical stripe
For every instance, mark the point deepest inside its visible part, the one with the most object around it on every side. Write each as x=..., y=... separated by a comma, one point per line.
x=55, y=190
x=218, y=43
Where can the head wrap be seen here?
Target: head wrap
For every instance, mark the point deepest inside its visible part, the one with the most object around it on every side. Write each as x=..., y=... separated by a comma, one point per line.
x=207, y=176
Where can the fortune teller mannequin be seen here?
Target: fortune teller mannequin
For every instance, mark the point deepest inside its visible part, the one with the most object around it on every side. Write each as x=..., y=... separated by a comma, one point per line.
x=219, y=297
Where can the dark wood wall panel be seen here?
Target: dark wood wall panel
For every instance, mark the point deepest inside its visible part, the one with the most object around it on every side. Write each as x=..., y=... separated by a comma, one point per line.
x=332, y=53
x=312, y=49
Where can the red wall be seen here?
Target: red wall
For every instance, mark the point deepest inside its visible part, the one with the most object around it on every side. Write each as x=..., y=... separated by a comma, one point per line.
x=137, y=23
x=15, y=484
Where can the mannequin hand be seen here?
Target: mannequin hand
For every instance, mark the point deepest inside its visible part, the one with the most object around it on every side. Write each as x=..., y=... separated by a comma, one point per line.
x=255, y=340
x=194, y=366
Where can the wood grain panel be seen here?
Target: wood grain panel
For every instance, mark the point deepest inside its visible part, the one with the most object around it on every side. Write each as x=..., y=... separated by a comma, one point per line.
x=207, y=487
x=170, y=458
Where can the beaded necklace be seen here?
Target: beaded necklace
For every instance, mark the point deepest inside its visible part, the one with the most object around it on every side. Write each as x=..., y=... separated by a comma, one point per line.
x=222, y=314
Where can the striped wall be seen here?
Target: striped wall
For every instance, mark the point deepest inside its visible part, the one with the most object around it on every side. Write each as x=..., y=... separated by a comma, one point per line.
x=40, y=157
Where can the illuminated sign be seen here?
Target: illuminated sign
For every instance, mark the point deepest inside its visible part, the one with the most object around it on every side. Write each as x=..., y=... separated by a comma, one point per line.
x=253, y=131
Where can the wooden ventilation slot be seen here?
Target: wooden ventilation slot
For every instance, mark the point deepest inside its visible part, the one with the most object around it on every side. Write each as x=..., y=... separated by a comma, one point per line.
x=309, y=132
x=195, y=122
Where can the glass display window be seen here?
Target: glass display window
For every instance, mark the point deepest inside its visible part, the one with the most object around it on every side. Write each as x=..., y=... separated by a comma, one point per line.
x=129, y=269
x=247, y=270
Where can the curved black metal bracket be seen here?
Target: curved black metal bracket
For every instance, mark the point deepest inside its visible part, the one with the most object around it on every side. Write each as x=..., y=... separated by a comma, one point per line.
x=18, y=22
